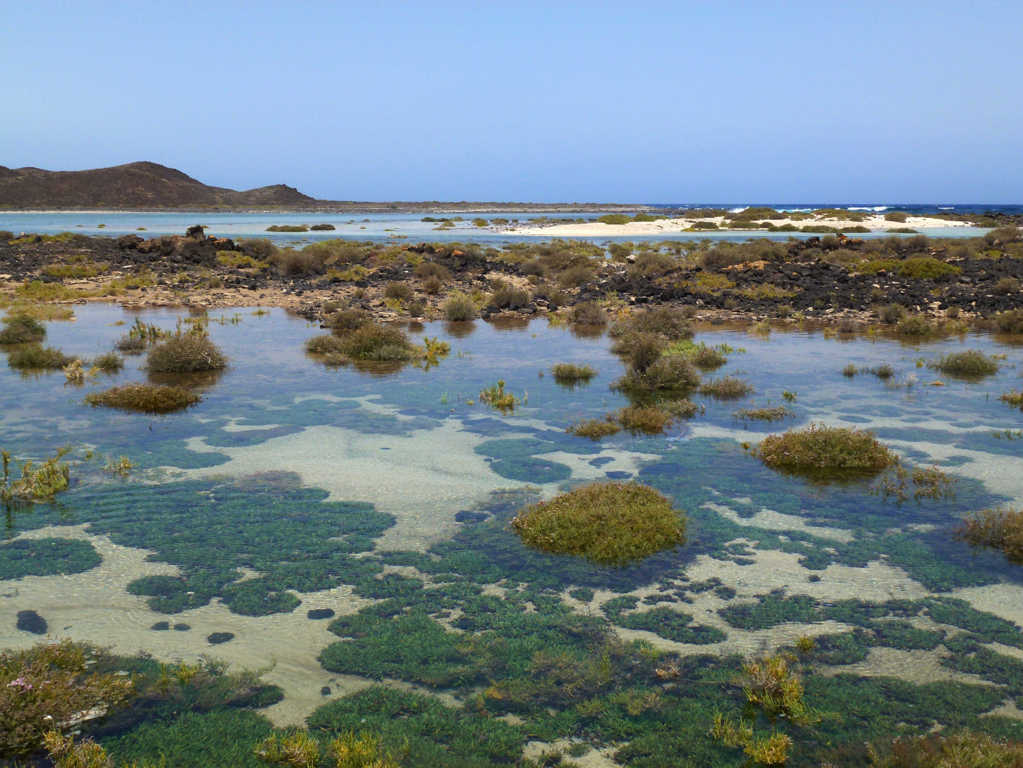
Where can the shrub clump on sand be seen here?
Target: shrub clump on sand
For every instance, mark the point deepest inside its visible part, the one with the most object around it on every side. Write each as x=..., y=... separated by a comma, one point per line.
x=967, y=365
x=144, y=398
x=459, y=307
x=594, y=429
x=826, y=453
x=187, y=352
x=507, y=296
x=607, y=523
x=35, y=357
x=727, y=388
x=22, y=329
x=1000, y=529
x=569, y=374
x=398, y=291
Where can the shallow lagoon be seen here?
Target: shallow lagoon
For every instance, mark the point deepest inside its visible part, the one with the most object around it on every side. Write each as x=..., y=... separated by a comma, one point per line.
x=385, y=498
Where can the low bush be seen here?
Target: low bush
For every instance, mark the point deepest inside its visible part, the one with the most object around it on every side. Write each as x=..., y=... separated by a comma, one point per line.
x=654, y=419
x=375, y=342
x=575, y=277
x=322, y=228
x=111, y=362
x=186, y=352
x=345, y=320
x=607, y=523
x=144, y=398
x=398, y=291
x=1010, y=321
x=668, y=375
x=459, y=307
x=777, y=413
x=35, y=357
x=22, y=329
x=826, y=453
x=666, y=322
x=1006, y=286
x=971, y=364
x=432, y=286
x=327, y=344
x=570, y=374
x=1013, y=398
x=917, y=268
x=588, y=313
x=507, y=296
x=707, y=358
x=958, y=749
x=1000, y=529
x=427, y=269
x=897, y=216
x=727, y=388
x=915, y=326
x=287, y=228
x=891, y=314
x=594, y=429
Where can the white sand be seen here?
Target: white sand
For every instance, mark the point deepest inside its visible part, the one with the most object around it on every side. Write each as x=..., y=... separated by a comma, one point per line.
x=876, y=223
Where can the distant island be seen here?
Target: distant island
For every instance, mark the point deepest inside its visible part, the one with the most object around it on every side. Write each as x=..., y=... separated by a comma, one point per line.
x=146, y=186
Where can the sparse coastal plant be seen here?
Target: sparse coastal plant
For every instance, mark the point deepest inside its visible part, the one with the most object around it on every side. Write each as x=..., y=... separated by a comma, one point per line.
x=825, y=453
x=569, y=374
x=459, y=307
x=667, y=375
x=1000, y=529
x=38, y=482
x=607, y=523
x=849, y=371
x=957, y=749
x=915, y=326
x=776, y=413
x=970, y=364
x=22, y=329
x=594, y=429
x=110, y=362
x=35, y=357
x=287, y=228
x=144, y=398
x=669, y=323
x=588, y=313
x=186, y=352
x=726, y=388
x=496, y=396
x=508, y=296
x=398, y=291
x=1015, y=399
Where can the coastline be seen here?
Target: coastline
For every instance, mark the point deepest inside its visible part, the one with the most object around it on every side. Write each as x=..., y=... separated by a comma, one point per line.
x=875, y=223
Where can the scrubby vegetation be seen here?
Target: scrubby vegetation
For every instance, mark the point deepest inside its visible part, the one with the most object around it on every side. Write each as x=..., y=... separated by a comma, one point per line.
x=144, y=398
x=35, y=357
x=22, y=329
x=727, y=388
x=967, y=365
x=1000, y=529
x=608, y=523
x=186, y=352
x=826, y=453
x=459, y=307
x=595, y=429
x=569, y=374
x=38, y=482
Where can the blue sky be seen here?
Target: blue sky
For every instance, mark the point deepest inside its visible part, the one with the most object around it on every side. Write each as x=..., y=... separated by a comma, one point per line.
x=645, y=102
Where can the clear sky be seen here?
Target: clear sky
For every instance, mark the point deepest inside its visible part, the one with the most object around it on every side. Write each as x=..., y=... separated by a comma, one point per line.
x=548, y=101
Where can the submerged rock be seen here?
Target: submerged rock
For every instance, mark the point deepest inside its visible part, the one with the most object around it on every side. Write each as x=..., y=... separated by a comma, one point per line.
x=30, y=621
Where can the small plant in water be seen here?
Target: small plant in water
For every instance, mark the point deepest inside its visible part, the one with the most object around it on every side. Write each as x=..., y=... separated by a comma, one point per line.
x=1000, y=529
x=37, y=483
x=776, y=413
x=1015, y=399
x=120, y=466
x=145, y=398
x=607, y=523
x=967, y=365
x=496, y=397
x=569, y=374
x=594, y=429
x=22, y=329
x=826, y=453
x=727, y=388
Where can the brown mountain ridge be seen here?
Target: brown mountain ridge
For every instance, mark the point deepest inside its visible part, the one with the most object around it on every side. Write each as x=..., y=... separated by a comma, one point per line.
x=141, y=185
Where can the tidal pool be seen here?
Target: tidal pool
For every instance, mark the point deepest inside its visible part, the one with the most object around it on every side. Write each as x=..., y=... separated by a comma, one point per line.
x=385, y=498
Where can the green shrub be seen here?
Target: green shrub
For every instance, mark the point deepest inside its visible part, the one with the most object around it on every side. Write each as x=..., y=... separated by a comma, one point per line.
x=507, y=296
x=849, y=371
x=727, y=388
x=459, y=307
x=917, y=268
x=111, y=362
x=22, y=329
x=1010, y=321
x=398, y=291
x=957, y=749
x=776, y=413
x=826, y=453
x=327, y=344
x=614, y=218
x=1000, y=529
x=346, y=320
x=594, y=429
x=588, y=313
x=186, y=352
x=427, y=269
x=698, y=225
x=239, y=260
x=707, y=358
x=1006, y=285
x=144, y=398
x=287, y=228
x=891, y=314
x=967, y=365
x=607, y=523
x=1014, y=399
x=667, y=322
x=915, y=325
x=669, y=374
x=897, y=216
x=575, y=277
x=569, y=374
x=375, y=342
x=322, y=228
x=35, y=357
x=654, y=419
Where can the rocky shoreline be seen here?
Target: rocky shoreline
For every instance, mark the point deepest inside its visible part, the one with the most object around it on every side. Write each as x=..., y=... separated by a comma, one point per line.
x=827, y=278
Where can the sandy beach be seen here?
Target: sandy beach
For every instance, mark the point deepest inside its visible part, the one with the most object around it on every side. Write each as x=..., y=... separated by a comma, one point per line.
x=876, y=223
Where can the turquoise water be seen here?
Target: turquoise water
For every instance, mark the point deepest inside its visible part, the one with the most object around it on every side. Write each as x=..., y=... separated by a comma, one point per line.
x=386, y=498
x=369, y=226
